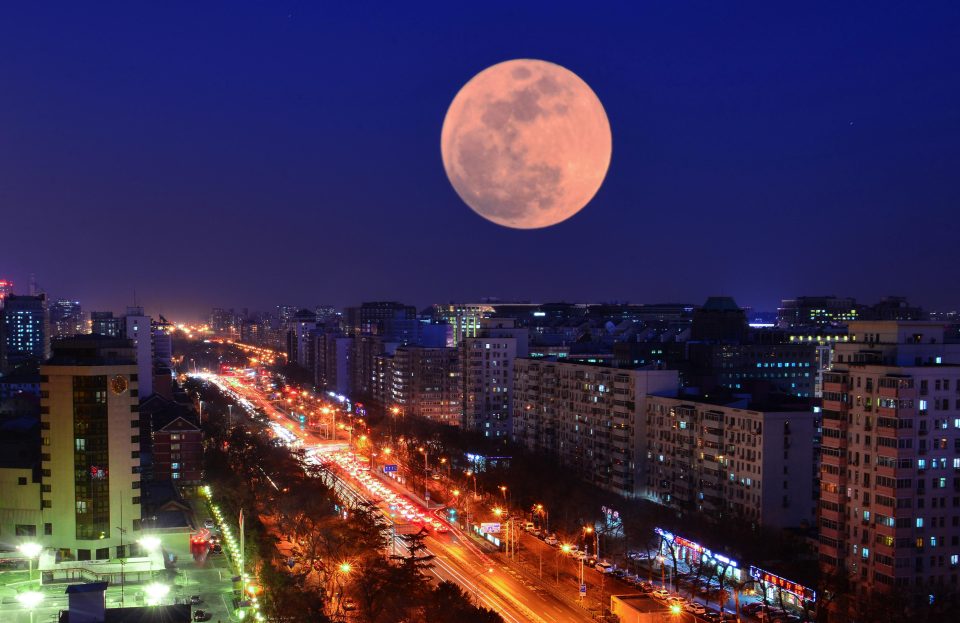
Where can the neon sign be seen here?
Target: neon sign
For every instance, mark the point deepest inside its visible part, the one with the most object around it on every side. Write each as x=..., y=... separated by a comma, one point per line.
x=801, y=591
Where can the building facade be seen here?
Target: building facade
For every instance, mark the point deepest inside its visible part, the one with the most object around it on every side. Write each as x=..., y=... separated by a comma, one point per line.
x=732, y=460
x=66, y=319
x=889, y=490
x=90, y=481
x=178, y=452
x=425, y=383
x=591, y=417
x=26, y=329
x=487, y=369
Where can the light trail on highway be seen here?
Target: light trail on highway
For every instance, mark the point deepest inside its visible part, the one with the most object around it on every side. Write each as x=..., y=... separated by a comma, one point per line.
x=456, y=557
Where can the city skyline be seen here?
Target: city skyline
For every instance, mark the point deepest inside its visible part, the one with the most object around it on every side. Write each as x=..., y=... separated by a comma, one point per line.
x=757, y=153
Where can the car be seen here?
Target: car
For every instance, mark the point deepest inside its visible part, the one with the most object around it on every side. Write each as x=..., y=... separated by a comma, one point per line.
x=661, y=593
x=208, y=523
x=579, y=555
x=349, y=605
x=195, y=599
x=551, y=540
x=677, y=599
x=202, y=615
x=604, y=567
x=695, y=608
x=752, y=608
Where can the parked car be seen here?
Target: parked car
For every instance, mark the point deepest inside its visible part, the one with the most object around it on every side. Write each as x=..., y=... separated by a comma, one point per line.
x=579, y=555
x=661, y=593
x=202, y=615
x=529, y=527
x=349, y=605
x=551, y=540
x=695, y=608
x=752, y=608
x=195, y=599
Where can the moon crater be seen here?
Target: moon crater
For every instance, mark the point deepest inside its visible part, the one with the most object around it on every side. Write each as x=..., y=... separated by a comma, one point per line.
x=526, y=144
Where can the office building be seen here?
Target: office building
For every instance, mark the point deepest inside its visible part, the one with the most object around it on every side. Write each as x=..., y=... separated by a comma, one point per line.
x=26, y=329
x=463, y=318
x=105, y=323
x=487, y=369
x=66, y=319
x=89, y=505
x=732, y=459
x=891, y=453
x=369, y=317
x=591, y=417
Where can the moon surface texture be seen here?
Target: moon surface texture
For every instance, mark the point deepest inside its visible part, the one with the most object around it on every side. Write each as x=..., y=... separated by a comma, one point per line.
x=526, y=143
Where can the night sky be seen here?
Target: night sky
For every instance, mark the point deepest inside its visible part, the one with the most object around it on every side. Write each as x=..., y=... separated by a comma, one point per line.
x=255, y=153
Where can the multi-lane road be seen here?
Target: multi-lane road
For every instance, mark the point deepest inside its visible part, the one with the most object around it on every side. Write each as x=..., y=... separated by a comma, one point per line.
x=457, y=558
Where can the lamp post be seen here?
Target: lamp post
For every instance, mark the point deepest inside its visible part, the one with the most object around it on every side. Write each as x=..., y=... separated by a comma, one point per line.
x=30, y=600
x=426, y=477
x=31, y=551
x=473, y=474
x=565, y=548
x=539, y=509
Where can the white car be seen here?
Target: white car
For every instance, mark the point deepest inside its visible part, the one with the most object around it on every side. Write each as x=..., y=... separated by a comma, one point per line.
x=661, y=593
x=604, y=567
x=551, y=541
x=695, y=608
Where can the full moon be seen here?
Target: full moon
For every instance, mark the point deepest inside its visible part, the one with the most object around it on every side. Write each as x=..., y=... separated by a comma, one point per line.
x=526, y=143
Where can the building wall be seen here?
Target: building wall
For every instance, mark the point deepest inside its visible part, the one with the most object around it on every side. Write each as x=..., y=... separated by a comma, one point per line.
x=20, y=515
x=731, y=462
x=60, y=449
x=425, y=383
x=889, y=489
x=178, y=453
x=591, y=417
x=137, y=327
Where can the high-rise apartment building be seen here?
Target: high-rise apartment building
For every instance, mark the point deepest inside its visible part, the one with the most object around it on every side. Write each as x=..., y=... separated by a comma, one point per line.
x=66, y=319
x=731, y=459
x=90, y=484
x=425, y=383
x=591, y=417
x=889, y=509
x=138, y=328
x=26, y=329
x=487, y=369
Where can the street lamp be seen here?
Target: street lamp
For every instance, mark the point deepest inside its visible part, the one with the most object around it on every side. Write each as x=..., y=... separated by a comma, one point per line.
x=31, y=551
x=565, y=548
x=155, y=593
x=30, y=600
x=471, y=473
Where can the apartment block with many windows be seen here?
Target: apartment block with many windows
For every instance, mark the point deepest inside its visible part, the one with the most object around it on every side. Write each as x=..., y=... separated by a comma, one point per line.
x=732, y=459
x=889, y=509
x=591, y=417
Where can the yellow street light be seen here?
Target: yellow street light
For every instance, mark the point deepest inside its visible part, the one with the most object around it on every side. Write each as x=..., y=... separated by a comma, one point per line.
x=345, y=567
x=565, y=548
x=675, y=609
x=498, y=511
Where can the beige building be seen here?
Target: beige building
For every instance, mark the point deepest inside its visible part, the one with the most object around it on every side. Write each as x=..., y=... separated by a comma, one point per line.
x=90, y=483
x=590, y=416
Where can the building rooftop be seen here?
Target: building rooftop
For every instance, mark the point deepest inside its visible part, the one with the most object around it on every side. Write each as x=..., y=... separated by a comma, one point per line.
x=92, y=350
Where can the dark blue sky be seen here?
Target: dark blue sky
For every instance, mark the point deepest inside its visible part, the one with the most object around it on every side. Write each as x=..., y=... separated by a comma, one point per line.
x=253, y=153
